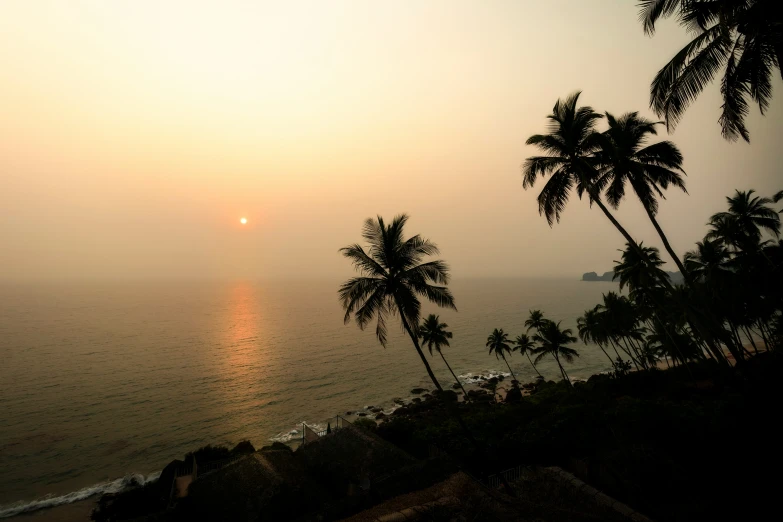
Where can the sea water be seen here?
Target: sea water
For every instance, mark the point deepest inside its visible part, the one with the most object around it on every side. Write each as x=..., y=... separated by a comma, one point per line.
x=104, y=383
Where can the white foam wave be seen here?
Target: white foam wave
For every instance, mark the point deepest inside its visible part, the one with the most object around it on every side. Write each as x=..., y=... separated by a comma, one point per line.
x=295, y=433
x=114, y=486
x=473, y=378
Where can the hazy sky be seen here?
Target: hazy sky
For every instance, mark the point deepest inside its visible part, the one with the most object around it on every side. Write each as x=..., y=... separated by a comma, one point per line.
x=135, y=134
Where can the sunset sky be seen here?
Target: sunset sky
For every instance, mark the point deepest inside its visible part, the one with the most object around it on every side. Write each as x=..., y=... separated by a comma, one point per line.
x=134, y=135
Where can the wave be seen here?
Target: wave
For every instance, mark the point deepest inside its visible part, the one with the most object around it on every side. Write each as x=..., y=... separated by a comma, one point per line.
x=295, y=433
x=50, y=501
x=471, y=378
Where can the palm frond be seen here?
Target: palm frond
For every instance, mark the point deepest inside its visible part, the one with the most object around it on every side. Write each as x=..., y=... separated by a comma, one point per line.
x=435, y=271
x=355, y=292
x=650, y=11
x=554, y=196
x=680, y=81
x=362, y=261
x=539, y=166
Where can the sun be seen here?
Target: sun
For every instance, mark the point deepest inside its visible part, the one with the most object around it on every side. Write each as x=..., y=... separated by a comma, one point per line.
x=243, y=221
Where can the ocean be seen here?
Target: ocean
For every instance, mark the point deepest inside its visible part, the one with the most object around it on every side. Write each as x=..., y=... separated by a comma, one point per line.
x=100, y=382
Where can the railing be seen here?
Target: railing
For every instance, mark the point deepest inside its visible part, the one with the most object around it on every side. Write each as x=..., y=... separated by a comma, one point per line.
x=310, y=435
x=511, y=475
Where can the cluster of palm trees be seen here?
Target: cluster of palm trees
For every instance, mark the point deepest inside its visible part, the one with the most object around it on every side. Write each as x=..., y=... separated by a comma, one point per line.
x=394, y=276
x=549, y=340
x=733, y=289
x=732, y=280
x=731, y=299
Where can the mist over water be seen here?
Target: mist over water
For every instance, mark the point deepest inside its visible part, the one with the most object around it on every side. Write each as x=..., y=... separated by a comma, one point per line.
x=103, y=380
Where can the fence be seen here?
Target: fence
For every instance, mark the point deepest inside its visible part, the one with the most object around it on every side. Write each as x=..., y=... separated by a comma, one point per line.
x=496, y=480
x=310, y=435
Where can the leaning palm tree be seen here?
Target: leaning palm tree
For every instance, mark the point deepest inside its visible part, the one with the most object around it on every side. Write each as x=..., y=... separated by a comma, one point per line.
x=570, y=161
x=524, y=344
x=590, y=329
x=392, y=277
x=498, y=342
x=626, y=158
x=553, y=341
x=433, y=333
x=742, y=38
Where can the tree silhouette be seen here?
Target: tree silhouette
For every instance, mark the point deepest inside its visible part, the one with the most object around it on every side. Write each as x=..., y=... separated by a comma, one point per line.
x=553, y=341
x=626, y=158
x=524, y=344
x=570, y=162
x=433, y=334
x=392, y=278
x=498, y=343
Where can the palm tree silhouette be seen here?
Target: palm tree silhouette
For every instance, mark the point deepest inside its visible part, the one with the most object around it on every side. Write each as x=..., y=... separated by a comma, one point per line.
x=741, y=226
x=498, y=342
x=553, y=342
x=591, y=330
x=742, y=38
x=392, y=279
x=641, y=272
x=626, y=158
x=535, y=320
x=709, y=263
x=433, y=333
x=570, y=161
x=524, y=344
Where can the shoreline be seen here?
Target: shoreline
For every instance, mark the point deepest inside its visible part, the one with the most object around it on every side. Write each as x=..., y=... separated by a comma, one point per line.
x=85, y=499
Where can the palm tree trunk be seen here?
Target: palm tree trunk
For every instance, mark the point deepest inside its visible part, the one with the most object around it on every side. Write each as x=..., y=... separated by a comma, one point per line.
x=617, y=344
x=533, y=365
x=509, y=367
x=602, y=349
x=750, y=338
x=764, y=336
x=617, y=225
x=611, y=342
x=418, y=348
x=452, y=373
x=562, y=371
x=666, y=244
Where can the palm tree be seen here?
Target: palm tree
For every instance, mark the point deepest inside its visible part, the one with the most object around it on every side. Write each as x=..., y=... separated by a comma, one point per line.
x=741, y=226
x=535, y=321
x=498, y=342
x=709, y=263
x=570, y=161
x=590, y=329
x=392, y=278
x=433, y=333
x=626, y=158
x=553, y=342
x=743, y=38
x=525, y=345
x=641, y=272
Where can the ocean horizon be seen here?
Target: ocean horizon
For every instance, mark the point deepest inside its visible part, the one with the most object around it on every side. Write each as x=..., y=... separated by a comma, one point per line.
x=105, y=381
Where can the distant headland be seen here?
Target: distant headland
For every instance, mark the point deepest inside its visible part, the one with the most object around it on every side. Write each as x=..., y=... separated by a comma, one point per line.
x=674, y=277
